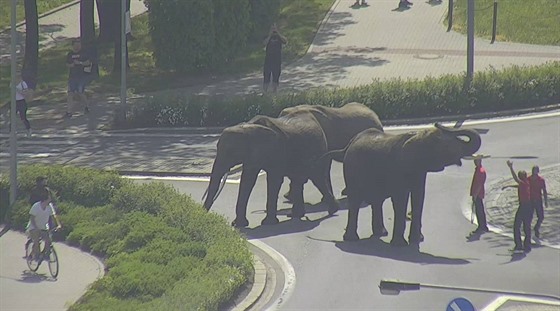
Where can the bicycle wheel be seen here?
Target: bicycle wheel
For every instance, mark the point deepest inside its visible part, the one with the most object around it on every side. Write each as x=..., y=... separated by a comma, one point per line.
x=53, y=262
x=31, y=263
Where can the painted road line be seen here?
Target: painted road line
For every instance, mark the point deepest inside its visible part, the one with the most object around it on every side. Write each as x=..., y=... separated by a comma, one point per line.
x=184, y=178
x=500, y=301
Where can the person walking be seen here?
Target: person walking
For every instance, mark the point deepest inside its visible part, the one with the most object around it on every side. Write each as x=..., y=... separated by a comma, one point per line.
x=524, y=214
x=538, y=191
x=273, y=58
x=23, y=91
x=477, y=193
x=78, y=65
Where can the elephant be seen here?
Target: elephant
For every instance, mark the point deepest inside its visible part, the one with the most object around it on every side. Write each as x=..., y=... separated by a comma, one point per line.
x=378, y=166
x=289, y=146
x=340, y=125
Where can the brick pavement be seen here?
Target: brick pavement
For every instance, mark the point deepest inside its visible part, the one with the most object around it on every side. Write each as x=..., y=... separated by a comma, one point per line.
x=501, y=205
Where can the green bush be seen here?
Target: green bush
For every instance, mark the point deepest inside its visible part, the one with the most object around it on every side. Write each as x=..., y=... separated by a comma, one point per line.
x=492, y=90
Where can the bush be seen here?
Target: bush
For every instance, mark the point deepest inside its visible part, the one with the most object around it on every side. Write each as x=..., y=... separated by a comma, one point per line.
x=190, y=36
x=493, y=90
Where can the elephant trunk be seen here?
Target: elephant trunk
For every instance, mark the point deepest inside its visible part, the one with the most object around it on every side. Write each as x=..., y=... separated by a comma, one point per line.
x=216, y=183
x=474, y=142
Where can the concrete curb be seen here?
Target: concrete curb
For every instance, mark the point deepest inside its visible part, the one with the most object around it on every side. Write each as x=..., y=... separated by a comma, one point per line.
x=321, y=25
x=259, y=283
x=55, y=10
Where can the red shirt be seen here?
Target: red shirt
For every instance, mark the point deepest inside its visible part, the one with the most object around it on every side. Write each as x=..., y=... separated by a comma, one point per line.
x=478, y=180
x=537, y=186
x=524, y=191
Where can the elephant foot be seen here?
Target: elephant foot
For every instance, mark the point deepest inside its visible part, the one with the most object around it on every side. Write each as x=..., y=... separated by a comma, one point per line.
x=344, y=192
x=380, y=233
x=240, y=222
x=416, y=239
x=270, y=220
x=351, y=236
x=297, y=212
x=333, y=208
x=399, y=242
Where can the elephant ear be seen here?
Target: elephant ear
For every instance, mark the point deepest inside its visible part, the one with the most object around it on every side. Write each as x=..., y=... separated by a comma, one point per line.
x=416, y=153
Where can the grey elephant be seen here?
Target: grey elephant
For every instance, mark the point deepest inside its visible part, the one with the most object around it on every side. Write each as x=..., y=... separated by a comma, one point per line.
x=340, y=125
x=378, y=166
x=287, y=146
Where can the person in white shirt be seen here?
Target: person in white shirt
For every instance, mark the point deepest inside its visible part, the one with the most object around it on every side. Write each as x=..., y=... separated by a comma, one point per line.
x=38, y=228
x=21, y=105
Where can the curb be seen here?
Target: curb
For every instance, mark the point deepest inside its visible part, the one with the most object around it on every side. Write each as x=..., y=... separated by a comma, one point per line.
x=321, y=25
x=259, y=283
x=55, y=10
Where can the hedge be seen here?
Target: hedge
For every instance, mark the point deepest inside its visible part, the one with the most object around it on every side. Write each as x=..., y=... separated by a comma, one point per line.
x=493, y=90
x=162, y=250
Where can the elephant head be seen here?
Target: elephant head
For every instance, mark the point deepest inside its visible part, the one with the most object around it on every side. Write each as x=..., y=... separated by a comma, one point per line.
x=433, y=149
x=253, y=145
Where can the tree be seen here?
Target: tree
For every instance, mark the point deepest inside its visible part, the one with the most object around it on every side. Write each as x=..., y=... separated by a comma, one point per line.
x=87, y=26
x=31, y=57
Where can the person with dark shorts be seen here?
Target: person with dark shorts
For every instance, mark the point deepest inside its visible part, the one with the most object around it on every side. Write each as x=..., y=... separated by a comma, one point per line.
x=78, y=64
x=538, y=191
x=21, y=104
x=524, y=214
x=273, y=59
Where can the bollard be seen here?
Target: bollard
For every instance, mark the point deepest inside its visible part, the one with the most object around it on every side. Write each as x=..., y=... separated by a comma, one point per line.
x=450, y=15
x=494, y=21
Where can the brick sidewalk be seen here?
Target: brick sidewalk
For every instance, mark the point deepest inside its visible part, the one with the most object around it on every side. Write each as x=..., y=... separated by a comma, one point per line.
x=501, y=205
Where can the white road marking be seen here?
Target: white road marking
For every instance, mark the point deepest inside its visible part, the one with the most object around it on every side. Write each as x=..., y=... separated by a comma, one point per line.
x=498, y=302
x=204, y=179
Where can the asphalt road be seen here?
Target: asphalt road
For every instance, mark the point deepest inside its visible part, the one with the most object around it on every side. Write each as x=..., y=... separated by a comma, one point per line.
x=336, y=275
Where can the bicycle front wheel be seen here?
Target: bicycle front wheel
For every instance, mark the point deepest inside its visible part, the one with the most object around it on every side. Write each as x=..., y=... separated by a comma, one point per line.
x=53, y=262
x=31, y=262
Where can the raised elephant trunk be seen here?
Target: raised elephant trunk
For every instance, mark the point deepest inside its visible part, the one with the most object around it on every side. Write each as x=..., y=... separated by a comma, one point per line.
x=474, y=142
x=217, y=181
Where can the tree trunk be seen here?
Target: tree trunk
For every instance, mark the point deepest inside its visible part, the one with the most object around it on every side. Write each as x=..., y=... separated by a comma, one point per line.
x=87, y=25
x=31, y=58
x=109, y=22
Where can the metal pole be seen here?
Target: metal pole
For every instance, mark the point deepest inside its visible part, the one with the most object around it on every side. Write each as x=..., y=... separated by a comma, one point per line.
x=450, y=16
x=470, y=43
x=123, y=60
x=13, y=117
x=494, y=21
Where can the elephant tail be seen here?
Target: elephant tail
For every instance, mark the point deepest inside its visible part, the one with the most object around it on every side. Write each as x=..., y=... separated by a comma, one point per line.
x=337, y=155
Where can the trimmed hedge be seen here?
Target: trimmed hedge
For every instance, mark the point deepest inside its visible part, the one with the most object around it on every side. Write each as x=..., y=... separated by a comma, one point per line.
x=493, y=90
x=163, y=251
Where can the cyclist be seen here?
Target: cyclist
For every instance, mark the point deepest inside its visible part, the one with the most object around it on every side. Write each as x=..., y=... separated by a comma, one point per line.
x=36, y=193
x=38, y=226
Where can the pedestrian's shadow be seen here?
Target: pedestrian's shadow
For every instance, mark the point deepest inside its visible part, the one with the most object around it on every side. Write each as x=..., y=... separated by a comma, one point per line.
x=359, y=6
x=401, y=8
x=379, y=248
x=434, y=2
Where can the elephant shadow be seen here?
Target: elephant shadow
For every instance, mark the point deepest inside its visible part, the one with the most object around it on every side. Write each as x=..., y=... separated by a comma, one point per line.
x=289, y=226
x=380, y=248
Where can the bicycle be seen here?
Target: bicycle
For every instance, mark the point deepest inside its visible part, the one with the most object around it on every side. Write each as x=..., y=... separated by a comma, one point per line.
x=49, y=255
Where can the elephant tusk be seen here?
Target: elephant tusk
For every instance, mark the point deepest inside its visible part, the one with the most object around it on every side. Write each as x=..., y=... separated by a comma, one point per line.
x=222, y=184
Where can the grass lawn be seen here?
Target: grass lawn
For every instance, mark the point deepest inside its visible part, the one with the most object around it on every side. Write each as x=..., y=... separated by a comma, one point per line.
x=298, y=21
x=42, y=7
x=534, y=21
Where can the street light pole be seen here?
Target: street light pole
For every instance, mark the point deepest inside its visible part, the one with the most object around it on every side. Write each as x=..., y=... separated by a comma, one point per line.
x=13, y=119
x=123, y=61
x=470, y=43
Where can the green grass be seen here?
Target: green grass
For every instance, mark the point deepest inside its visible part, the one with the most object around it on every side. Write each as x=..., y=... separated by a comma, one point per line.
x=534, y=21
x=42, y=7
x=298, y=21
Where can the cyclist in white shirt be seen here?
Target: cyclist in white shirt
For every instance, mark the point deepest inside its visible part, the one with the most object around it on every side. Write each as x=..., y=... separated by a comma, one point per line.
x=38, y=228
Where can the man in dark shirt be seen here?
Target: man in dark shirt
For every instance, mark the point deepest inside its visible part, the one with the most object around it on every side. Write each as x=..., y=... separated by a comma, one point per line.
x=524, y=214
x=273, y=58
x=79, y=65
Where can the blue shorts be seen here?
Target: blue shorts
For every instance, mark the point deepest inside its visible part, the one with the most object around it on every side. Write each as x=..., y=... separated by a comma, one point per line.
x=77, y=85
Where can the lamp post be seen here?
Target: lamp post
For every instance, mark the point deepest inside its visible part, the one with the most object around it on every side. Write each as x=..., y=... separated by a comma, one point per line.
x=13, y=119
x=394, y=287
x=470, y=44
x=123, y=61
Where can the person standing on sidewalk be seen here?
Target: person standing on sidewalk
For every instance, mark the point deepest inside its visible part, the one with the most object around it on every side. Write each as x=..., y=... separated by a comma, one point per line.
x=273, y=58
x=23, y=91
x=78, y=63
x=538, y=191
x=477, y=194
x=524, y=214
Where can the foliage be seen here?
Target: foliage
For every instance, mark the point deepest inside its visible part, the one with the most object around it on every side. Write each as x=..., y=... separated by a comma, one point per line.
x=263, y=13
x=156, y=243
x=523, y=21
x=42, y=7
x=493, y=90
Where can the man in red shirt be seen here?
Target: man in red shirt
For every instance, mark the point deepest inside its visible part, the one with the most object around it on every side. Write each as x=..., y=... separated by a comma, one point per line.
x=524, y=214
x=477, y=194
x=538, y=190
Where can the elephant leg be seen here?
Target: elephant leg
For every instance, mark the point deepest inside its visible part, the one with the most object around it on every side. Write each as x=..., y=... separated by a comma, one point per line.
x=248, y=179
x=400, y=202
x=377, y=225
x=328, y=180
x=351, y=233
x=298, y=207
x=417, y=206
x=274, y=181
x=322, y=184
x=289, y=195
